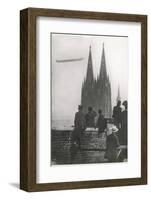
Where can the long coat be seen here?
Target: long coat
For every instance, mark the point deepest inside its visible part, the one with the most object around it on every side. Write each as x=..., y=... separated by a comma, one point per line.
x=90, y=119
x=101, y=123
x=123, y=130
x=79, y=120
x=80, y=125
x=111, y=147
x=117, y=115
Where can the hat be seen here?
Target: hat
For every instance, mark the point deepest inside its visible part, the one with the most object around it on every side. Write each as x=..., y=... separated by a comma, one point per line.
x=112, y=129
x=125, y=103
x=80, y=107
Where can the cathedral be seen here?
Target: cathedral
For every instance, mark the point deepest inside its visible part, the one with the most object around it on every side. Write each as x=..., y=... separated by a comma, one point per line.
x=96, y=92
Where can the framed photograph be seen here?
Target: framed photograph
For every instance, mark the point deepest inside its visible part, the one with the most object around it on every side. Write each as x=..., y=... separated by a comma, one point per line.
x=83, y=99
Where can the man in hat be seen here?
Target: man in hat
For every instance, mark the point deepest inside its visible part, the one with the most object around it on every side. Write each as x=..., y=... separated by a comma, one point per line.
x=80, y=125
x=123, y=131
x=90, y=118
x=117, y=114
x=112, y=142
x=101, y=123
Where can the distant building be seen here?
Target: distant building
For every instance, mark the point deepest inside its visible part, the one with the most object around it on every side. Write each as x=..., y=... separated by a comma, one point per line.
x=97, y=92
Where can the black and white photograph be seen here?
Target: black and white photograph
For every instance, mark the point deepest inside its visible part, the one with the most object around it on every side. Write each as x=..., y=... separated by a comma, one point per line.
x=89, y=98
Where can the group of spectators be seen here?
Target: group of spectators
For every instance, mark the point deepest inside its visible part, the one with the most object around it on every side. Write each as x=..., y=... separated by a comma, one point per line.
x=81, y=122
x=116, y=135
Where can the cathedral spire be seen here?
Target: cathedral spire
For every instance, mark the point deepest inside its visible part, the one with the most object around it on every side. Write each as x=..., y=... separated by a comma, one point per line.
x=89, y=75
x=118, y=95
x=103, y=72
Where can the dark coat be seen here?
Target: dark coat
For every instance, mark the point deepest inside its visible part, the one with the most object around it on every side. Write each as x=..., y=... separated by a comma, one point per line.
x=117, y=113
x=90, y=119
x=123, y=130
x=101, y=123
x=80, y=125
x=79, y=120
x=111, y=147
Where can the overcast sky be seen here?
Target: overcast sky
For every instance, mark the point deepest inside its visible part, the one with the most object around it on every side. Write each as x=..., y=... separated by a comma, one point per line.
x=67, y=77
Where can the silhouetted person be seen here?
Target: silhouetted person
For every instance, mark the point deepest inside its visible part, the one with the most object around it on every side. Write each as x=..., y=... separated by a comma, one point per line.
x=117, y=114
x=80, y=125
x=112, y=143
x=123, y=131
x=101, y=123
x=90, y=117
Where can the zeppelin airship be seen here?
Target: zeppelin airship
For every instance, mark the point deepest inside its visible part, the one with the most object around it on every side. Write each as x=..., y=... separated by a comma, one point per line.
x=69, y=60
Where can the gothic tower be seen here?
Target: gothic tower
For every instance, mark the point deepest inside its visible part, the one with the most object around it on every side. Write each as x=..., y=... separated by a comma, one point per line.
x=104, y=88
x=88, y=96
x=97, y=92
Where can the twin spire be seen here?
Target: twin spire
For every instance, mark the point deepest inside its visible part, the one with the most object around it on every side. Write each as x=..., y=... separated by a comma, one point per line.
x=103, y=71
x=96, y=92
